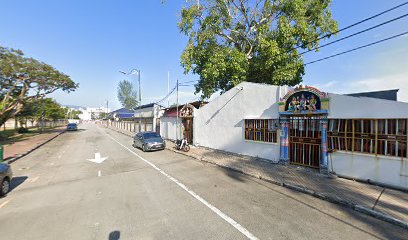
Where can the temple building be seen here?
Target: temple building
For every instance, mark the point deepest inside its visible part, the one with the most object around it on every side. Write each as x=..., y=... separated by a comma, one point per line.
x=360, y=136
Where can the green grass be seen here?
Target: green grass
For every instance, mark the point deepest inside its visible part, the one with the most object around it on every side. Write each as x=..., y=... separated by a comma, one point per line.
x=11, y=135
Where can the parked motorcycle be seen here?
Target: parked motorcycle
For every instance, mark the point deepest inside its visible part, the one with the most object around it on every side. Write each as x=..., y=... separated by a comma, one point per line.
x=182, y=145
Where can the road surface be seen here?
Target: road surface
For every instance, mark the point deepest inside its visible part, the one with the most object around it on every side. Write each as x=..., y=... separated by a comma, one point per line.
x=59, y=194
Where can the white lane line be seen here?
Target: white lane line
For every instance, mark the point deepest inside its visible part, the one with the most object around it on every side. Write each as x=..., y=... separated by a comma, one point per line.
x=99, y=173
x=4, y=204
x=231, y=221
x=34, y=179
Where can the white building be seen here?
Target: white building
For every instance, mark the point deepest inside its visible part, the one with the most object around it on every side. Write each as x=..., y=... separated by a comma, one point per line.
x=91, y=113
x=149, y=116
x=170, y=129
x=358, y=137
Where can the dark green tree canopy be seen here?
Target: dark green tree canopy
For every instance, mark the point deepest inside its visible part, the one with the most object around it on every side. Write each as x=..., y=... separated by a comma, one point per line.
x=231, y=41
x=44, y=108
x=127, y=95
x=23, y=79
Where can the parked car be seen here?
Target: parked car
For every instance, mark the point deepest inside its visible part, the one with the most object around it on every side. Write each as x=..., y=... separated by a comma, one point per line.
x=5, y=178
x=148, y=141
x=72, y=127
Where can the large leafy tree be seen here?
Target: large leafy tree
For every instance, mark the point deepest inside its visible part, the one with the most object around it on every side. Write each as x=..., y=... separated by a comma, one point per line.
x=24, y=79
x=127, y=95
x=45, y=108
x=231, y=41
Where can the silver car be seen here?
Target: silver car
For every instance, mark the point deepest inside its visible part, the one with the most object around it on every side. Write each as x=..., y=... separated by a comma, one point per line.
x=5, y=178
x=148, y=141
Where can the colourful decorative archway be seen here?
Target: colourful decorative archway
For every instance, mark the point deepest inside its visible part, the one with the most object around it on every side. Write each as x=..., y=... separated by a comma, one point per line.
x=303, y=106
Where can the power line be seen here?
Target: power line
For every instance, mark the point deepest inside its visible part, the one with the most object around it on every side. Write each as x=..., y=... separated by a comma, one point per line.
x=357, y=33
x=354, y=24
x=168, y=95
x=341, y=53
x=357, y=48
x=188, y=82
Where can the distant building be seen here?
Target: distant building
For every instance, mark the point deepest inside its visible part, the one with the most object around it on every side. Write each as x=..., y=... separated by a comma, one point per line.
x=149, y=116
x=122, y=114
x=91, y=113
x=169, y=129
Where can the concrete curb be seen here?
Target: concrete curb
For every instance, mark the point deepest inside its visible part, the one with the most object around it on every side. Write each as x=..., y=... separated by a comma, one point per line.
x=336, y=200
x=9, y=161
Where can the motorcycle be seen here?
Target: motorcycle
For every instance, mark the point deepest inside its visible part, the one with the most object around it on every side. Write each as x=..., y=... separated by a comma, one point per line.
x=182, y=145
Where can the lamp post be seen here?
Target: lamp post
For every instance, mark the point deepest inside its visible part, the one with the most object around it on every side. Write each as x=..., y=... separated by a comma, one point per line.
x=132, y=72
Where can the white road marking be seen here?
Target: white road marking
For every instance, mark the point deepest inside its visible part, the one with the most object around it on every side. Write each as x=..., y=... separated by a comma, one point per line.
x=4, y=204
x=98, y=158
x=99, y=173
x=231, y=221
x=34, y=179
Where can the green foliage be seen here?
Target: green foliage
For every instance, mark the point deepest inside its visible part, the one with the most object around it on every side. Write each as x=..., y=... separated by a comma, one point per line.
x=23, y=79
x=231, y=41
x=23, y=130
x=127, y=95
x=46, y=108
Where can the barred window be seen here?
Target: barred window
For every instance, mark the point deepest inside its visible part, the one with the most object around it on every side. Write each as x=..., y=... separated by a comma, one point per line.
x=373, y=136
x=262, y=130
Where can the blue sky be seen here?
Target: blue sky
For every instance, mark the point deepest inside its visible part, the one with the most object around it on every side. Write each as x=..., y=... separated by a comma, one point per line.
x=92, y=40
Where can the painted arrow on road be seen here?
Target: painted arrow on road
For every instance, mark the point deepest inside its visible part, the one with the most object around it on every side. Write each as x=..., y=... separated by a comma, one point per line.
x=98, y=158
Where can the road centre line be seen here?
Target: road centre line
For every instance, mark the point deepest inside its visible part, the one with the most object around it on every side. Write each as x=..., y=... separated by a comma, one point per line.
x=99, y=173
x=229, y=220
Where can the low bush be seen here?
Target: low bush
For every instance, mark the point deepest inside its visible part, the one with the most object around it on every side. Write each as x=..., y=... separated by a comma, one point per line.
x=23, y=130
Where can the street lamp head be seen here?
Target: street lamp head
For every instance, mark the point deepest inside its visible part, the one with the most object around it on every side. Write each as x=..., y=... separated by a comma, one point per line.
x=133, y=71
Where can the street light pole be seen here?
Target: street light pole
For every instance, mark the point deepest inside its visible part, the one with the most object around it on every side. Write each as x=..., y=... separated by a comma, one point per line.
x=177, y=112
x=133, y=71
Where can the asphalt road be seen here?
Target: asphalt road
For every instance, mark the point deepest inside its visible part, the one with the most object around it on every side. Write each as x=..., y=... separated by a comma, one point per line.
x=59, y=194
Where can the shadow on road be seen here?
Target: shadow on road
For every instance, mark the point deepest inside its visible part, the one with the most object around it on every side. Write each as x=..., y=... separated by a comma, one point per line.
x=74, y=131
x=114, y=235
x=17, y=181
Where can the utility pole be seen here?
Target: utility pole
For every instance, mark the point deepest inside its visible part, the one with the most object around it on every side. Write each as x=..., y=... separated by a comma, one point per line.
x=107, y=113
x=177, y=118
x=140, y=105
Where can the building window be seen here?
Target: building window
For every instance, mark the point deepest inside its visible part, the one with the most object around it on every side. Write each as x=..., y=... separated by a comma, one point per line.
x=262, y=130
x=386, y=137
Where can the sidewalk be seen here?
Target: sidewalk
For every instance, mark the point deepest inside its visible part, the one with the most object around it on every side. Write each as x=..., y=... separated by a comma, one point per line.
x=21, y=148
x=387, y=204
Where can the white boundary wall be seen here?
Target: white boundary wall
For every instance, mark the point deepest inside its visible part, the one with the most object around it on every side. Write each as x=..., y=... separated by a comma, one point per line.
x=168, y=127
x=220, y=123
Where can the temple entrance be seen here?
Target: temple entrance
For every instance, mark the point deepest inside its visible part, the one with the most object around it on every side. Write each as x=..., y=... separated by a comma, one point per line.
x=305, y=141
x=303, y=115
x=187, y=116
x=188, y=129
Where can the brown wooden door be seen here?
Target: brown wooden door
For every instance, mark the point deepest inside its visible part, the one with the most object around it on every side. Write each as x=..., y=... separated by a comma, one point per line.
x=188, y=129
x=158, y=125
x=305, y=141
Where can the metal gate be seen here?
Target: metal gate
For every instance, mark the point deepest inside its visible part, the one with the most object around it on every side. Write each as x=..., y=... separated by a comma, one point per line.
x=305, y=141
